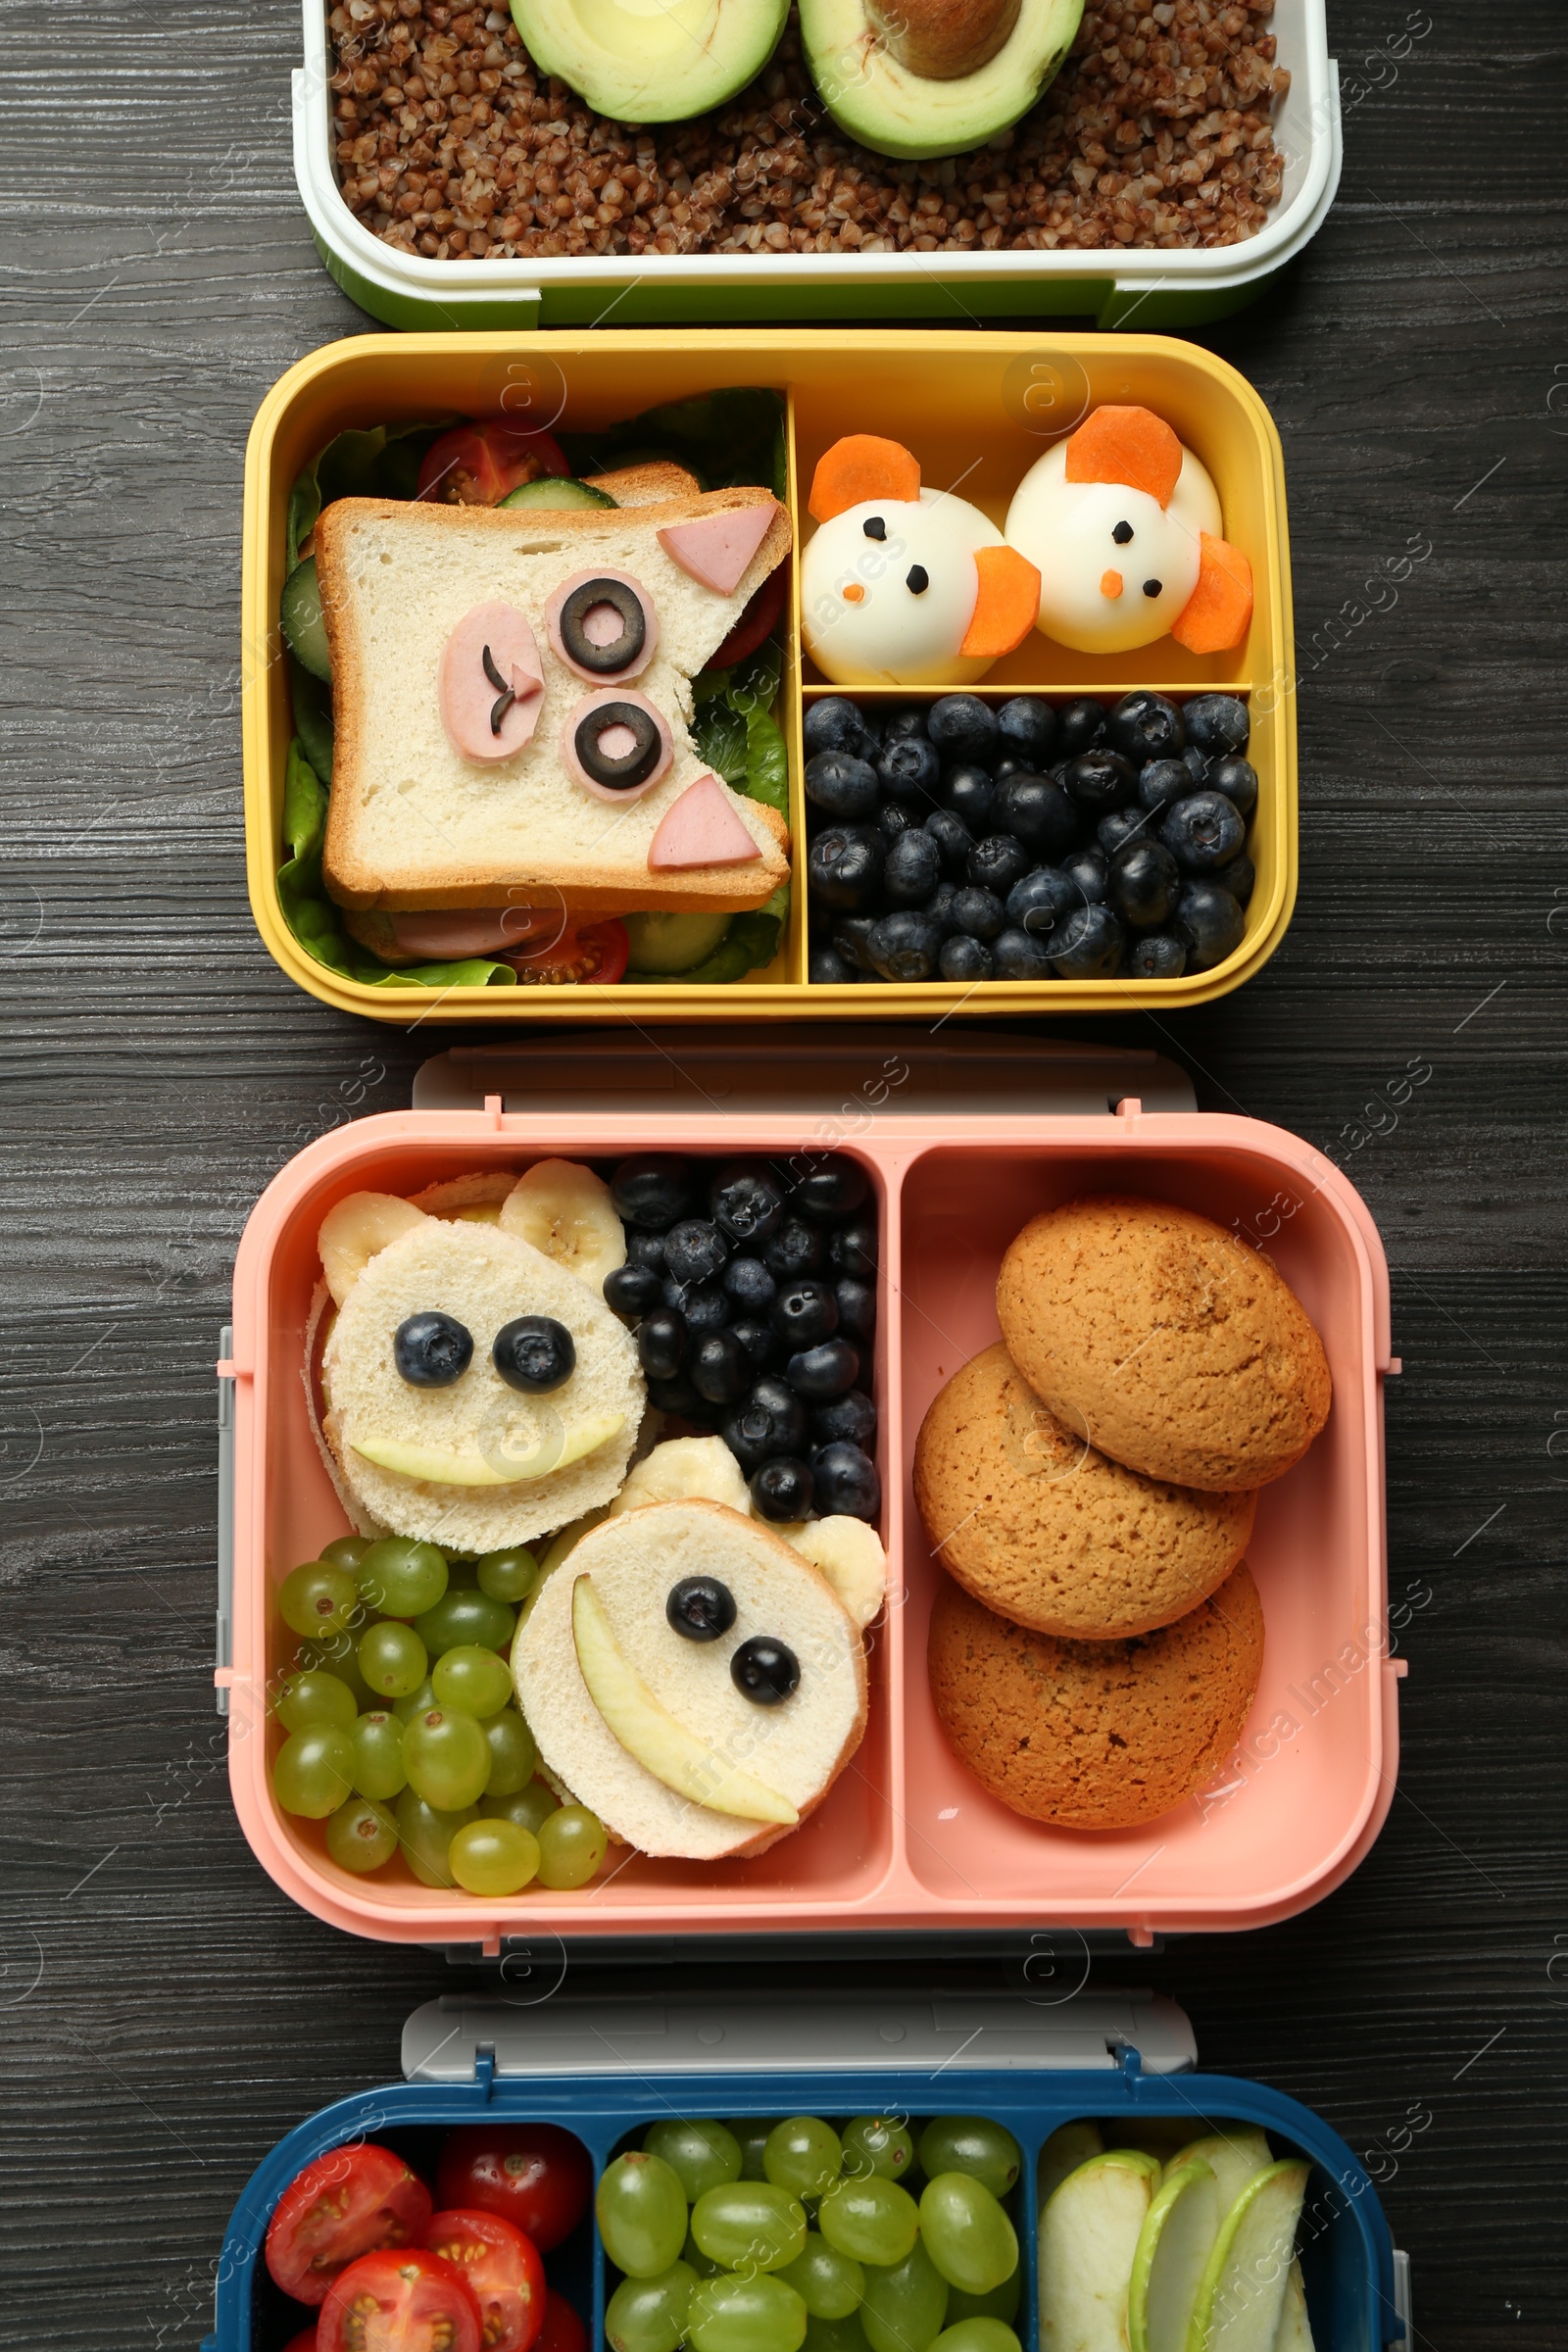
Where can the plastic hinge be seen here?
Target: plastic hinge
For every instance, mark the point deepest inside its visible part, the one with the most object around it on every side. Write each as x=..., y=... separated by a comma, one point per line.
x=1131, y=2058
x=1403, y=2306
x=224, y=1646
x=484, y=2067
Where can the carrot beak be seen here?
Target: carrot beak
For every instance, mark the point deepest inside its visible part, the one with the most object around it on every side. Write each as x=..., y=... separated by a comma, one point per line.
x=853, y=593
x=1110, y=584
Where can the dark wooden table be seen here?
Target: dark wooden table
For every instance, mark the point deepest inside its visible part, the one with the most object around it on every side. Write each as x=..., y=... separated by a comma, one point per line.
x=165, y=2013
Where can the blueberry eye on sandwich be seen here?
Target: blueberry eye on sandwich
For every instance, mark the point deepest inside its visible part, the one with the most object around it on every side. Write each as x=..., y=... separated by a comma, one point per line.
x=534, y=1354
x=700, y=1608
x=432, y=1349
x=766, y=1670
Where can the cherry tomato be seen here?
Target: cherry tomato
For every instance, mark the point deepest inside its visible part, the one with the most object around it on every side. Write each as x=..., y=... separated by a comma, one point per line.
x=756, y=623
x=347, y=2203
x=503, y=2271
x=403, y=2300
x=583, y=952
x=562, y=2330
x=476, y=465
x=305, y=2342
x=536, y=2176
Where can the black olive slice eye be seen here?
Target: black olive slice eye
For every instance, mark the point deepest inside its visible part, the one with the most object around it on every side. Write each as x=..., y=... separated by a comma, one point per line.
x=1122, y=533
x=604, y=751
x=766, y=1670
x=1153, y=587
x=874, y=527
x=917, y=579
x=700, y=1608
x=603, y=627
x=432, y=1349
x=534, y=1354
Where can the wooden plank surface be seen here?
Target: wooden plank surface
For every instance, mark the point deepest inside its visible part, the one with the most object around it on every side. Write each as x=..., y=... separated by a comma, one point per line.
x=165, y=2013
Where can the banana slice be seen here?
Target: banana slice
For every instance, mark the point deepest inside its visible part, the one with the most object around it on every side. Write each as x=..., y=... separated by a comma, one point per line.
x=358, y=1230
x=685, y=1470
x=565, y=1211
x=850, y=1554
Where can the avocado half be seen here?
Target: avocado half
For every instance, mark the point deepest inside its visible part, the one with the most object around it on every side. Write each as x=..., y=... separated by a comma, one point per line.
x=651, y=61
x=925, y=78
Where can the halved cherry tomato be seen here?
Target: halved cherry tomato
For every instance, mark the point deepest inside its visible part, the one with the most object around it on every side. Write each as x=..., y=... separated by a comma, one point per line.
x=562, y=2330
x=347, y=2203
x=756, y=623
x=406, y=2300
x=503, y=2271
x=535, y=2176
x=583, y=951
x=476, y=465
x=305, y=2342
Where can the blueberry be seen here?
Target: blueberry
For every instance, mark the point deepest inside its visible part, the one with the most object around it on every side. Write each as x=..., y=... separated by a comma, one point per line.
x=906, y=945
x=1082, y=727
x=1144, y=882
x=795, y=1248
x=701, y=1306
x=967, y=791
x=747, y=1201
x=953, y=841
x=1208, y=922
x=1145, y=727
x=750, y=1283
x=1028, y=728
x=852, y=1248
x=759, y=1341
x=1156, y=956
x=432, y=1351
x=1039, y=901
x=850, y=1420
x=1088, y=944
x=823, y=1371
x=834, y=1188
x=1240, y=878
x=845, y=1481
x=633, y=1290
x=998, y=861
x=912, y=870
x=677, y=1396
x=966, y=960
x=842, y=785
x=892, y=819
x=857, y=1303
x=700, y=1608
x=805, y=1311
x=1163, y=781
x=1195, y=764
x=1100, y=781
x=1202, y=832
x=825, y=967
x=836, y=724
x=1237, y=779
x=661, y=1344
x=1120, y=826
x=1089, y=871
x=978, y=913
x=962, y=727
x=654, y=1190
x=534, y=1354
x=1035, y=812
x=780, y=1490
x=695, y=1251
x=937, y=907
x=1008, y=765
x=844, y=868
x=646, y=1249
x=770, y=1422
x=908, y=719
x=1019, y=957
x=765, y=1668
x=1216, y=723
x=851, y=939
x=911, y=769
x=719, y=1370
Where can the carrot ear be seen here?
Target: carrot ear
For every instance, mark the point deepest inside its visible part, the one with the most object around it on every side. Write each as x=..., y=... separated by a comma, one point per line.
x=859, y=468
x=1217, y=614
x=1006, y=607
x=1132, y=446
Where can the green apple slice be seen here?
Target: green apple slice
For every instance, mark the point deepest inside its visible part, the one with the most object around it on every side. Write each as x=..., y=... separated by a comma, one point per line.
x=1069, y=2146
x=647, y=1729
x=1173, y=2250
x=1243, y=2292
x=456, y=1466
x=1234, y=2157
x=1087, y=2238
x=1295, y=2333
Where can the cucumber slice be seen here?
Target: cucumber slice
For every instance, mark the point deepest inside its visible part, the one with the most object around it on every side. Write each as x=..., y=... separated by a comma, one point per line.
x=553, y=491
x=673, y=943
x=299, y=611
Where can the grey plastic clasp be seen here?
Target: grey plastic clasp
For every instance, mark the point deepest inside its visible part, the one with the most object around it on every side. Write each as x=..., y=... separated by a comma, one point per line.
x=223, y=1648
x=1404, y=2341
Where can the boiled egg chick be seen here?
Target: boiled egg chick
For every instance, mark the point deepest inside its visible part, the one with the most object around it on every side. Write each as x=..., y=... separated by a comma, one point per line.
x=1117, y=565
x=889, y=589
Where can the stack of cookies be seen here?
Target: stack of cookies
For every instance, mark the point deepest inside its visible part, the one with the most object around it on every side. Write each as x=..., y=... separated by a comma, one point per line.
x=1089, y=1485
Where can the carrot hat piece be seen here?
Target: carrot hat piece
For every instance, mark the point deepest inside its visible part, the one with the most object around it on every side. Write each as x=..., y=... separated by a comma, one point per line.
x=859, y=468
x=1217, y=614
x=1132, y=446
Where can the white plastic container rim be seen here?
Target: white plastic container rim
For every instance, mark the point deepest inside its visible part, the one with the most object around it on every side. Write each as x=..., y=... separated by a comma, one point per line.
x=1306, y=129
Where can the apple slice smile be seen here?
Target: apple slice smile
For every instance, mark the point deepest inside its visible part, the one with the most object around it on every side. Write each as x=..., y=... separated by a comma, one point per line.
x=451, y=1466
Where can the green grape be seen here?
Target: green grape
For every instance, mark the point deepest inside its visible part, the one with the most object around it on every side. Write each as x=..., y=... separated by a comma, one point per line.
x=641, y=2211
x=751, y=2223
x=361, y=1836
x=695, y=2259
x=493, y=1857
x=906, y=2306
x=757, y=2314
x=530, y=1808
x=874, y=2220
x=400, y=1578
x=836, y=2335
x=572, y=1844
x=752, y=2135
x=474, y=1679
x=803, y=2155
x=1001, y=2304
x=649, y=2315
x=392, y=1659
x=425, y=1837
x=702, y=2155
x=978, y=2335
x=314, y=1771
x=513, y=1754
x=338, y=1654
x=345, y=1551
x=966, y=2233
x=969, y=2144
x=378, y=1768
x=878, y=2144
x=417, y=1702
x=461, y=1618
x=447, y=1758
x=318, y=1697
x=829, y=2283
x=318, y=1599
x=509, y=1574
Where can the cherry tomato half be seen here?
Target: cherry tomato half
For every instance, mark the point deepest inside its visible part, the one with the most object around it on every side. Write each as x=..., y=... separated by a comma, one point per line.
x=305, y=2342
x=402, y=2300
x=347, y=2203
x=535, y=2176
x=756, y=623
x=562, y=2330
x=476, y=465
x=505, y=2274
x=583, y=952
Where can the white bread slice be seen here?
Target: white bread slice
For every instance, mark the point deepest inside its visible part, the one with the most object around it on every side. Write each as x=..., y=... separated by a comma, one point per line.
x=798, y=1747
x=648, y=484
x=412, y=823
x=484, y=1277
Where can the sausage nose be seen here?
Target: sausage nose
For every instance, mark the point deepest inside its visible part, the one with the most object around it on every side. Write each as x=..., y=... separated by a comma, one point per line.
x=1110, y=584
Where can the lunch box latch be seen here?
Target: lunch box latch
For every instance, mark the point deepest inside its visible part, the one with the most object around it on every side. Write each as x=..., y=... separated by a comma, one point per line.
x=223, y=1642
x=1405, y=2308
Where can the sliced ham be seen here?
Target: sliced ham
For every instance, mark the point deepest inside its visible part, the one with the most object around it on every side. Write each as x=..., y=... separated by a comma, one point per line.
x=701, y=829
x=480, y=724
x=717, y=549
x=448, y=934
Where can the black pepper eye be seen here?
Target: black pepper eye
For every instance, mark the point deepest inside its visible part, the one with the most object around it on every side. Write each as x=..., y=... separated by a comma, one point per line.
x=700, y=1608
x=432, y=1351
x=1152, y=587
x=766, y=1670
x=917, y=579
x=534, y=1354
x=874, y=527
x=1122, y=533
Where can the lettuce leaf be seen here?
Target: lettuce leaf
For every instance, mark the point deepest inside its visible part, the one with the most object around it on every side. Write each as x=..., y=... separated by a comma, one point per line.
x=728, y=440
x=382, y=462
